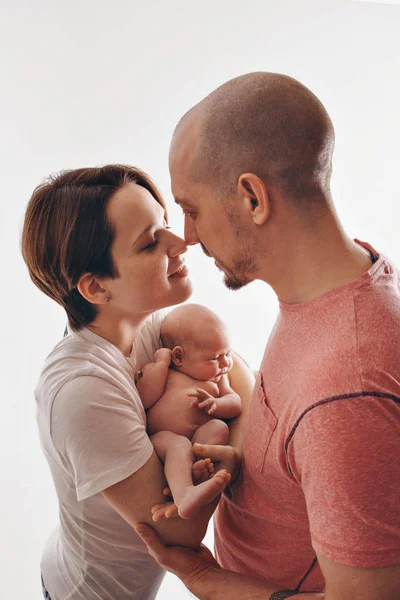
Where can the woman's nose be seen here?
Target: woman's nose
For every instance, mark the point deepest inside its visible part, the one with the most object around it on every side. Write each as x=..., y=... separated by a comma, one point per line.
x=178, y=246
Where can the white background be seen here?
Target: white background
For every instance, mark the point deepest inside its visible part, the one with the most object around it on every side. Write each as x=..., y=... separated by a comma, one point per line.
x=90, y=82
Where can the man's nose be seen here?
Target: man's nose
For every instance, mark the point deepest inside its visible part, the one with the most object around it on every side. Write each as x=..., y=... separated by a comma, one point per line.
x=190, y=232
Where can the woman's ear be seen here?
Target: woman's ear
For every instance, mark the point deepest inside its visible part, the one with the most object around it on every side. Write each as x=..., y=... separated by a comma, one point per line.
x=92, y=290
x=177, y=356
x=254, y=195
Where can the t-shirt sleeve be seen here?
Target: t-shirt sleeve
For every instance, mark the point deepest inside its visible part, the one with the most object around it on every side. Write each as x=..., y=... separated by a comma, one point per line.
x=345, y=454
x=98, y=434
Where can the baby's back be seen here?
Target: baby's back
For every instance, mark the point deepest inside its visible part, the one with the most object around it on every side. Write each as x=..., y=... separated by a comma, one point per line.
x=173, y=411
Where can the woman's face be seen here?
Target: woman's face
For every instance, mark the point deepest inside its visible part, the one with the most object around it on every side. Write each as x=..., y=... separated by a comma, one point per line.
x=147, y=255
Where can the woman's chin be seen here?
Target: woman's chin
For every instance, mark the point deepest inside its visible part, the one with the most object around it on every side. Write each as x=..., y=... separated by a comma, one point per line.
x=182, y=290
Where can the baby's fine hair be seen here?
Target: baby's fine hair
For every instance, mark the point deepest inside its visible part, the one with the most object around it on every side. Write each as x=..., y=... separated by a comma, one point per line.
x=185, y=324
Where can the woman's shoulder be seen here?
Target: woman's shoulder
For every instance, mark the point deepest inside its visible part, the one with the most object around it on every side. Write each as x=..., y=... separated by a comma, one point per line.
x=76, y=357
x=149, y=339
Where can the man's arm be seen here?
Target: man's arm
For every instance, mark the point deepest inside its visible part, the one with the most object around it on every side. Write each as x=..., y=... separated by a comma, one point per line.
x=207, y=581
x=355, y=583
x=203, y=576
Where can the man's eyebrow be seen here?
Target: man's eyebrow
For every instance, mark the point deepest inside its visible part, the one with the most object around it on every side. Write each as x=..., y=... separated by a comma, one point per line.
x=180, y=201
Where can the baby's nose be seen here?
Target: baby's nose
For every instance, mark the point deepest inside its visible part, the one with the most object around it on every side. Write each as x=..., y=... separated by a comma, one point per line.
x=224, y=361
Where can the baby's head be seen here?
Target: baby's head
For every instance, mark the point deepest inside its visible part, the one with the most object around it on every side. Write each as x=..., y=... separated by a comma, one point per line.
x=199, y=342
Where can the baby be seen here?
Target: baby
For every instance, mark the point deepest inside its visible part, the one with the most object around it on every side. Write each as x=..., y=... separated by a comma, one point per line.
x=186, y=394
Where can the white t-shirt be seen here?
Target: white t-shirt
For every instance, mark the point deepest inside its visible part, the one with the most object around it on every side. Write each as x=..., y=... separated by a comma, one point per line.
x=92, y=428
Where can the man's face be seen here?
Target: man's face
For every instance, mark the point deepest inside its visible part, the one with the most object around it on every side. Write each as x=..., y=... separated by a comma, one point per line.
x=210, y=221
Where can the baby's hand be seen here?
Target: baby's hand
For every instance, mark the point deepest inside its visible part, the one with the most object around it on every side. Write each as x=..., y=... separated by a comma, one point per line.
x=163, y=355
x=204, y=400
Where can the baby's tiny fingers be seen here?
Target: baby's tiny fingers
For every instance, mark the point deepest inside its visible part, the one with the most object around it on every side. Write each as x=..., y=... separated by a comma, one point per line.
x=205, y=403
x=203, y=393
x=212, y=409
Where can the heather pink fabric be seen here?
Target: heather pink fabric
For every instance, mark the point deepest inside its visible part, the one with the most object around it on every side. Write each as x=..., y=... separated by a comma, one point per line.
x=322, y=440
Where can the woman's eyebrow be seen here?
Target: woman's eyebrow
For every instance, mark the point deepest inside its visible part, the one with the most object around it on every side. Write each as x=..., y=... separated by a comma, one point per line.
x=142, y=233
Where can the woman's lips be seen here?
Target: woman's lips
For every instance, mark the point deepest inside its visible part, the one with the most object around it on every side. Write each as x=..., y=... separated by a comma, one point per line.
x=181, y=272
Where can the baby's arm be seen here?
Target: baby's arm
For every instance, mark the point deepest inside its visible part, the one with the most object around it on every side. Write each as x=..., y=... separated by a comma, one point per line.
x=228, y=404
x=152, y=378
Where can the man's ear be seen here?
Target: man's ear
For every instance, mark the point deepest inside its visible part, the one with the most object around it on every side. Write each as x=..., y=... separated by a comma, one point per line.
x=92, y=290
x=254, y=195
x=177, y=355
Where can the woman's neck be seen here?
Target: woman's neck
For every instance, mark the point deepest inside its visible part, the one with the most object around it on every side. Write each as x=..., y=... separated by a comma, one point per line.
x=121, y=332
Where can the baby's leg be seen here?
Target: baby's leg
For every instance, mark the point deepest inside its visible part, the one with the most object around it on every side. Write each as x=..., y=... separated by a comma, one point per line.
x=176, y=453
x=213, y=432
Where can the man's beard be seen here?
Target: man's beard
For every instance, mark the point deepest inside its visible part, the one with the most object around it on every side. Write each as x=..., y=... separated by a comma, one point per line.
x=239, y=274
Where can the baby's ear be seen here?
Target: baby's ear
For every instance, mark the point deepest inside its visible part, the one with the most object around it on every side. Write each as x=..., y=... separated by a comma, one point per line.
x=177, y=355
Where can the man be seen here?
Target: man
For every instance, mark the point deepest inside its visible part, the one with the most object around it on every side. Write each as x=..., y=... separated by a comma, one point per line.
x=315, y=508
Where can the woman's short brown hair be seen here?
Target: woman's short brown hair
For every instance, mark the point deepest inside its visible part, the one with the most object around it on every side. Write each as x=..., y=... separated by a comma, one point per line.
x=66, y=233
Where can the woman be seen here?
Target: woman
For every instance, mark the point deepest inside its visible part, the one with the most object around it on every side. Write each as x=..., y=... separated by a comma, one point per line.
x=96, y=240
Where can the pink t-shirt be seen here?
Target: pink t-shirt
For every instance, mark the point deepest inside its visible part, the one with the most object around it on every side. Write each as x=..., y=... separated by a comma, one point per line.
x=322, y=440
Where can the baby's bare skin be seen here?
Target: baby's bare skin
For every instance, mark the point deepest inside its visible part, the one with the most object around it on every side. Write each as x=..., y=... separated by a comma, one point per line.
x=186, y=394
x=174, y=411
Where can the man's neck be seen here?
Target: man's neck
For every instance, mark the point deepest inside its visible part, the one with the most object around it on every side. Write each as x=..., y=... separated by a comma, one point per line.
x=316, y=263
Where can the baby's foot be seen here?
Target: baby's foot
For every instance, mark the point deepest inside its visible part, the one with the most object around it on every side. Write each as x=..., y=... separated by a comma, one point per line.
x=195, y=497
x=202, y=470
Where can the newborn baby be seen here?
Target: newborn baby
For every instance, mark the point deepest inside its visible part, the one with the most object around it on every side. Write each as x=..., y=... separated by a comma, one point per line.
x=186, y=394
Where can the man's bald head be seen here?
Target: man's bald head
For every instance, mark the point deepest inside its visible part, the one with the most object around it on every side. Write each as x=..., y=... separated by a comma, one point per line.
x=262, y=123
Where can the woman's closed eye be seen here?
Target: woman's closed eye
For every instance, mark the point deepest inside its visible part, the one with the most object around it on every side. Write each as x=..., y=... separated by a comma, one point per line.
x=150, y=246
x=154, y=242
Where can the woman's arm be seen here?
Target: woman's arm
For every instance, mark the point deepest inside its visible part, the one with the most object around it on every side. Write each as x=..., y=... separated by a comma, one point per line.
x=134, y=497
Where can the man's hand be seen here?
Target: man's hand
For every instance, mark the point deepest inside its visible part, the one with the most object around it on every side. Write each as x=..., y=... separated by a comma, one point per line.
x=203, y=576
x=223, y=457
x=188, y=565
x=204, y=401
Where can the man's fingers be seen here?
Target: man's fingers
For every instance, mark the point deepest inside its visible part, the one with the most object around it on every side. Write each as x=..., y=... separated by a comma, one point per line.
x=216, y=453
x=151, y=539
